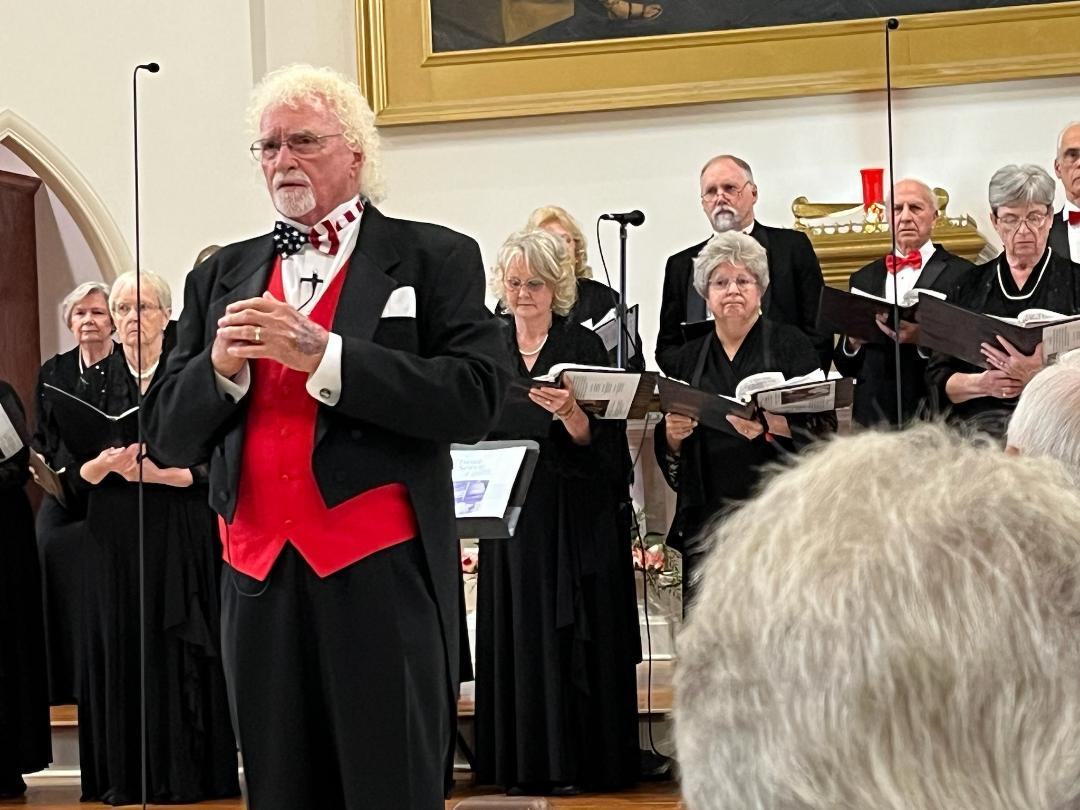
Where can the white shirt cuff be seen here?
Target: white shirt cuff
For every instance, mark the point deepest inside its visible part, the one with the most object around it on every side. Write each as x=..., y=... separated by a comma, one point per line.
x=844, y=348
x=235, y=388
x=324, y=383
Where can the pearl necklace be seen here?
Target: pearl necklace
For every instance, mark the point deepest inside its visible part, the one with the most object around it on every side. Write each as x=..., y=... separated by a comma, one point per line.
x=146, y=375
x=524, y=353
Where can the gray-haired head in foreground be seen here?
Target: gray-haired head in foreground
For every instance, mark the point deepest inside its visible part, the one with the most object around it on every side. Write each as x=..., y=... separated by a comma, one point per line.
x=293, y=85
x=547, y=258
x=150, y=284
x=78, y=294
x=730, y=247
x=1046, y=421
x=1020, y=185
x=911, y=642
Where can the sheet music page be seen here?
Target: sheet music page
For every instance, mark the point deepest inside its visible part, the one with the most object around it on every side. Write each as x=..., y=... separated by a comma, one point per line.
x=1062, y=337
x=484, y=480
x=10, y=443
x=607, y=395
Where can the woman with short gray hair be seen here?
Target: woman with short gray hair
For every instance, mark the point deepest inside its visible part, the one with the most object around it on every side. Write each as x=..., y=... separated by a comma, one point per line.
x=710, y=469
x=85, y=313
x=1027, y=274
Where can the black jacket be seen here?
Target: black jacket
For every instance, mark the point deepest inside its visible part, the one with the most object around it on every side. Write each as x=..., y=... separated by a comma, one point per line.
x=874, y=365
x=410, y=386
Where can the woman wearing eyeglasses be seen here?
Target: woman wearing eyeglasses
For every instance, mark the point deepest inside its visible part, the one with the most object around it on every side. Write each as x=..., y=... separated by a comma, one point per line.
x=1027, y=275
x=557, y=632
x=191, y=753
x=710, y=469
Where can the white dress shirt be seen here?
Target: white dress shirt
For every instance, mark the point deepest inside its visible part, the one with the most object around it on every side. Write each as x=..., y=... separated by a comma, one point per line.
x=324, y=383
x=1072, y=230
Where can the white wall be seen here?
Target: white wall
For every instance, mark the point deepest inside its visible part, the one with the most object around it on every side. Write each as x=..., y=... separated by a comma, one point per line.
x=63, y=257
x=485, y=177
x=199, y=186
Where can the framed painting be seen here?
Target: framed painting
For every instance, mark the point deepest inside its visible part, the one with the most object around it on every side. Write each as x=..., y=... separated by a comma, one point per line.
x=451, y=60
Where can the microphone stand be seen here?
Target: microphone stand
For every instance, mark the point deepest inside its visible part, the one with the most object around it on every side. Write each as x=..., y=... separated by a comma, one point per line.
x=622, y=351
x=891, y=25
x=151, y=67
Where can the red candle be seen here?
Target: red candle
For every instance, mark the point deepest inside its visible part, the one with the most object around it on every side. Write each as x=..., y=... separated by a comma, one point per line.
x=873, y=187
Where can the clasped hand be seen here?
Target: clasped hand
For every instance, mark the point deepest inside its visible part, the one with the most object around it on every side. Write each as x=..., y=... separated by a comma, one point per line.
x=1009, y=370
x=266, y=328
x=909, y=331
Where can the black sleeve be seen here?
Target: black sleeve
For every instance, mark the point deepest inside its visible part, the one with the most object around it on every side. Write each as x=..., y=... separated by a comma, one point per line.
x=808, y=279
x=672, y=313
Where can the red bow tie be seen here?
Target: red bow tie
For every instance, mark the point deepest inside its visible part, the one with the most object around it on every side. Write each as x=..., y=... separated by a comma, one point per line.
x=895, y=264
x=323, y=237
x=1074, y=217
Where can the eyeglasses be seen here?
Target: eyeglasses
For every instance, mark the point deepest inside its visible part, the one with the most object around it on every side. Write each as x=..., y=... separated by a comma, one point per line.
x=123, y=310
x=1034, y=220
x=300, y=143
x=742, y=283
x=533, y=285
x=727, y=190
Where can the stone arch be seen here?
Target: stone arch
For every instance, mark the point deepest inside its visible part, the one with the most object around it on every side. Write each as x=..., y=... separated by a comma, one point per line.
x=98, y=228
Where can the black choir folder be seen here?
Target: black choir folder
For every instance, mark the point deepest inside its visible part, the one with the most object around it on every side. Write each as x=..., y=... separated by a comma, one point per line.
x=768, y=391
x=607, y=393
x=491, y=480
x=960, y=332
x=855, y=313
x=86, y=430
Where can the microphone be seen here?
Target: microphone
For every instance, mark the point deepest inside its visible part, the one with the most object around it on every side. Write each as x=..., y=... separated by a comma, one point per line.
x=627, y=218
x=153, y=67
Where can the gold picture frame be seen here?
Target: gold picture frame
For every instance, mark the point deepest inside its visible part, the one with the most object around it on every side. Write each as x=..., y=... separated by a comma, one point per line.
x=407, y=83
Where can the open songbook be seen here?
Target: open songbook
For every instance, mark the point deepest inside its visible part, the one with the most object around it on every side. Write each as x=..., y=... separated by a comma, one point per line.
x=87, y=430
x=855, y=313
x=12, y=439
x=960, y=332
x=607, y=393
x=767, y=391
x=491, y=480
x=608, y=330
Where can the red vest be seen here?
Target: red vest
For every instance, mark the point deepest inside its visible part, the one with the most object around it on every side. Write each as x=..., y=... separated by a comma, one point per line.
x=278, y=499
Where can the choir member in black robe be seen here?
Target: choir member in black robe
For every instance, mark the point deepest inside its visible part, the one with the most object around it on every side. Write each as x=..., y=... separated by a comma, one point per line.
x=557, y=632
x=1027, y=275
x=710, y=469
x=60, y=526
x=24, y=707
x=593, y=299
x=191, y=753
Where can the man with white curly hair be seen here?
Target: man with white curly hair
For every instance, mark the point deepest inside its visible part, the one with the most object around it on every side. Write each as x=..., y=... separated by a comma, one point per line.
x=909, y=645
x=1046, y=421
x=324, y=369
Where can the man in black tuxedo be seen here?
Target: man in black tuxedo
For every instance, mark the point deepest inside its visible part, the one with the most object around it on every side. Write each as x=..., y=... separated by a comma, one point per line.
x=323, y=370
x=918, y=263
x=728, y=195
x=1065, y=231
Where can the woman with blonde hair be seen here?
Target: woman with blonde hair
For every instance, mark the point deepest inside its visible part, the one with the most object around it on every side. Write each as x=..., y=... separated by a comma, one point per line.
x=557, y=638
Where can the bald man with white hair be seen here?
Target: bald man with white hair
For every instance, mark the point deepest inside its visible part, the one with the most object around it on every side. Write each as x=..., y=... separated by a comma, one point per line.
x=1065, y=231
x=918, y=262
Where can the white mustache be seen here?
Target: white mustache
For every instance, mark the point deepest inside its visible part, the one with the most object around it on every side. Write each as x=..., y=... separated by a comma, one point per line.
x=291, y=176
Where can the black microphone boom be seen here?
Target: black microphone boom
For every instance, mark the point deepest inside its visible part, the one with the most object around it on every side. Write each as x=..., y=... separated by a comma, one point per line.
x=629, y=218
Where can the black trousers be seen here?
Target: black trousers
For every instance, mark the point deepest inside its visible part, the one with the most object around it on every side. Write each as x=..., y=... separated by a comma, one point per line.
x=339, y=686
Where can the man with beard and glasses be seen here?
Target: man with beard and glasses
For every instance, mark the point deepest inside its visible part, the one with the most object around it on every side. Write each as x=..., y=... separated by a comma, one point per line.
x=324, y=369
x=728, y=195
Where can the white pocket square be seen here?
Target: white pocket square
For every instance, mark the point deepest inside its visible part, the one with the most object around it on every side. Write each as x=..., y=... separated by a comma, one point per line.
x=401, y=304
